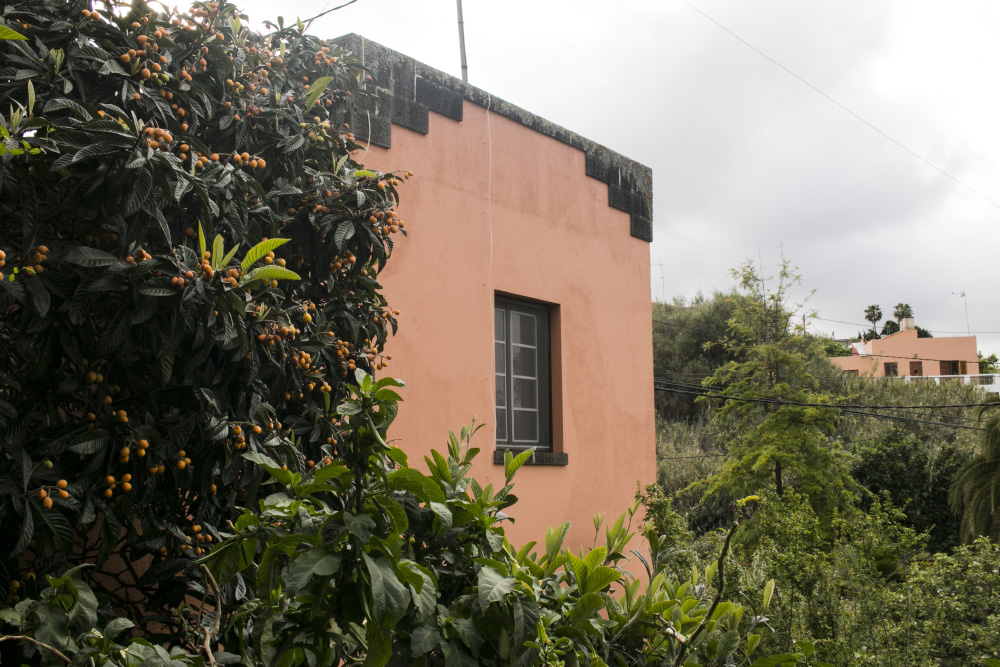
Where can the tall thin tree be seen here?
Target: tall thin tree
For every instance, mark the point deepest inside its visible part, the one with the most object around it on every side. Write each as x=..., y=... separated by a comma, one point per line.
x=873, y=314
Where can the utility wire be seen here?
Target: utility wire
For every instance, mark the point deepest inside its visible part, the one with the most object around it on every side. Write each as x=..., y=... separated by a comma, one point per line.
x=848, y=405
x=913, y=410
x=679, y=326
x=845, y=108
x=818, y=405
x=868, y=324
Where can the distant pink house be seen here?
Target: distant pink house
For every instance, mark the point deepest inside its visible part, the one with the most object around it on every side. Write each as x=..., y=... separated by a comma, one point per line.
x=903, y=354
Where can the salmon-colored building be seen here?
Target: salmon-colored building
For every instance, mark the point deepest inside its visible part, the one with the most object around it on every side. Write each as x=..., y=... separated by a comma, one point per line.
x=523, y=286
x=904, y=354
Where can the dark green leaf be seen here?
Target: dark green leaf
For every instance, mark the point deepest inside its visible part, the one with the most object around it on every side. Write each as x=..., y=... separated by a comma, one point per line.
x=379, y=645
x=493, y=586
x=90, y=442
x=90, y=257
x=424, y=639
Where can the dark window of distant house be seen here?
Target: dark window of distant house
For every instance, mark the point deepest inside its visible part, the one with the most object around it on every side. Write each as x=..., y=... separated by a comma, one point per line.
x=916, y=368
x=890, y=369
x=953, y=368
x=521, y=346
x=852, y=373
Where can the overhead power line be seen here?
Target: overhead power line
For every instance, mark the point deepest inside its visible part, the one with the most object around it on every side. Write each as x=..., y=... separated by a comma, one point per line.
x=862, y=413
x=679, y=326
x=868, y=324
x=846, y=405
x=845, y=108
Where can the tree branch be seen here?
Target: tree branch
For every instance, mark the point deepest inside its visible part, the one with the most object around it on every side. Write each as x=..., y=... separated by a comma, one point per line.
x=206, y=645
x=308, y=22
x=31, y=640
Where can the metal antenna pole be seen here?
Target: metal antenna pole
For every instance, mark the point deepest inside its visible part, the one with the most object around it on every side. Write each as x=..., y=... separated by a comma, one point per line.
x=663, y=283
x=461, y=43
x=961, y=295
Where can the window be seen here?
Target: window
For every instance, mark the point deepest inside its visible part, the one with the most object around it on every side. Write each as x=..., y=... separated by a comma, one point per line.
x=916, y=368
x=890, y=369
x=521, y=346
x=953, y=368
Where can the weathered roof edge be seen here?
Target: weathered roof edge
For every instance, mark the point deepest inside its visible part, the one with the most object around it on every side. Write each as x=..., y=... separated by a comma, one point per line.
x=407, y=90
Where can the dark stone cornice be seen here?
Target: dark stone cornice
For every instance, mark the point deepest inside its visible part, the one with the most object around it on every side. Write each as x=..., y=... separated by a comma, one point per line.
x=405, y=91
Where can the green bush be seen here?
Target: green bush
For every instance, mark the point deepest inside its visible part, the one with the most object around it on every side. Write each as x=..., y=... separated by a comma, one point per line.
x=365, y=558
x=916, y=475
x=868, y=594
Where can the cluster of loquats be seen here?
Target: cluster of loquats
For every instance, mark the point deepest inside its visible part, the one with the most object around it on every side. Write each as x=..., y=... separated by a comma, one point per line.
x=111, y=484
x=31, y=265
x=60, y=491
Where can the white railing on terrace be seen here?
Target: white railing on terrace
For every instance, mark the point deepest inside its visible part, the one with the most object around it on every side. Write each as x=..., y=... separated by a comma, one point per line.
x=989, y=382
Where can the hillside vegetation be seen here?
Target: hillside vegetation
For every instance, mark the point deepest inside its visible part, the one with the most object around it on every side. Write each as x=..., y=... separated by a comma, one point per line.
x=873, y=493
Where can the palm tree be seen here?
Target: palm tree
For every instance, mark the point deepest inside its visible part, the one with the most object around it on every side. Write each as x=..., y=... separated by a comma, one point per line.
x=901, y=311
x=873, y=314
x=975, y=492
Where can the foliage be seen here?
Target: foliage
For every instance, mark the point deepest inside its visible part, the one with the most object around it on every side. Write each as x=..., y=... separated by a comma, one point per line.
x=683, y=353
x=833, y=348
x=954, y=608
x=973, y=493
x=866, y=593
x=990, y=364
x=900, y=312
x=915, y=477
x=873, y=314
x=414, y=568
x=367, y=559
x=62, y=627
x=781, y=431
x=191, y=261
x=687, y=453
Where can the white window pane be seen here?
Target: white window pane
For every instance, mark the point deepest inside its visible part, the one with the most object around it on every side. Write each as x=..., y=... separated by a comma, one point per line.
x=523, y=361
x=525, y=426
x=501, y=424
x=522, y=328
x=524, y=393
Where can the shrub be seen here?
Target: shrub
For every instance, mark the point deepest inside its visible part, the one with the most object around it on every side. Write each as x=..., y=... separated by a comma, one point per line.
x=365, y=558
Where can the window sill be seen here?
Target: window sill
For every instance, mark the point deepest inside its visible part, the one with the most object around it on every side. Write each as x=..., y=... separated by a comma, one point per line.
x=536, y=459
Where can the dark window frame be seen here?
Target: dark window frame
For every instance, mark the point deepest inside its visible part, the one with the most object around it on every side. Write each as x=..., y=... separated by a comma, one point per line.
x=504, y=306
x=890, y=369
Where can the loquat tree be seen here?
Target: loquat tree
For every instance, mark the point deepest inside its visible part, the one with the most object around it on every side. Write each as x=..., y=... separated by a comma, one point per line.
x=189, y=259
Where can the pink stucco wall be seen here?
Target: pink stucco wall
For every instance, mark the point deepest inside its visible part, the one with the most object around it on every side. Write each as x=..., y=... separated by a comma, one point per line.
x=497, y=207
x=904, y=347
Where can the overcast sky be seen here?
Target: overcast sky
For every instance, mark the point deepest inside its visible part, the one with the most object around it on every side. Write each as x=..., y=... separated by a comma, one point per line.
x=747, y=159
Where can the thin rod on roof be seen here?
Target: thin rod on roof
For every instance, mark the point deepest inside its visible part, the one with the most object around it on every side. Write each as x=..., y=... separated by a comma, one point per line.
x=461, y=43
